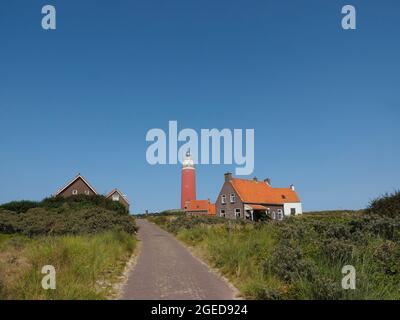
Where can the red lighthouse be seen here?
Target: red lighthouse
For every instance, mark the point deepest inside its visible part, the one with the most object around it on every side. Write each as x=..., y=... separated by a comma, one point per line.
x=188, y=188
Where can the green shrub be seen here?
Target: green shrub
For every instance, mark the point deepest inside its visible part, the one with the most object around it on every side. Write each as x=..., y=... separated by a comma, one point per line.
x=20, y=206
x=73, y=215
x=325, y=288
x=337, y=251
x=288, y=263
x=387, y=256
x=74, y=202
x=40, y=221
x=387, y=205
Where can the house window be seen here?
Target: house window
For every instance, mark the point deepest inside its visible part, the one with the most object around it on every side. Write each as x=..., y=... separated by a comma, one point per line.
x=115, y=197
x=222, y=213
x=237, y=213
x=273, y=215
x=74, y=192
x=87, y=192
x=233, y=198
x=280, y=215
x=293, y=211
x=223, y=199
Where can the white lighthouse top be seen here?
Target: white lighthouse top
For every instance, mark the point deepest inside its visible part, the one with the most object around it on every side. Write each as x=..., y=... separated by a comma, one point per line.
x=188, y=161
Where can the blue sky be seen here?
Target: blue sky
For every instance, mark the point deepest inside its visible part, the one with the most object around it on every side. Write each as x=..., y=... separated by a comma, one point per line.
x=324, y=102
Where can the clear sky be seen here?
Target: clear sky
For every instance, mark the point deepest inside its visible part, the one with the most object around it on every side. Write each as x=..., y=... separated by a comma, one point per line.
x=324, y=102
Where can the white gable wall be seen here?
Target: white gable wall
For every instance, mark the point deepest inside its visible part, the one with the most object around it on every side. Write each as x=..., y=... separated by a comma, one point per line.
x=288, y=206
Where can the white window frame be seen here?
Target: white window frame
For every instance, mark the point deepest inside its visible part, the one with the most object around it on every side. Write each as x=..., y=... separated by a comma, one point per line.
x=232, y=198
x=223, y=199
x=238, y=212
x=222, y=213
x=74, y=192
x=115, y=197
x=87, y=192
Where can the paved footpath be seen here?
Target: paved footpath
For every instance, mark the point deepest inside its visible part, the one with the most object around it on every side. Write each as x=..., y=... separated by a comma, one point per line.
x=165, y=269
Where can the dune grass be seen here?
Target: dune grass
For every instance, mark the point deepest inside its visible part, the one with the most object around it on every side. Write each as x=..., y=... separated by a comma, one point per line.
x=86, y=265
x=299, y=258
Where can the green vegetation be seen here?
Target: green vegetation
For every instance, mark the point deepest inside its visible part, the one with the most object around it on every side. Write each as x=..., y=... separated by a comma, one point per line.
x=86, y=266
x=88, y=240
x=75, y=202
x=59, y=216
x=302, y=257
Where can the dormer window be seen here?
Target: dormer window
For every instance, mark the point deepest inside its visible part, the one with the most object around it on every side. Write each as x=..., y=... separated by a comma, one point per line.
x=115, y=197
x=223, y=199
x=233, y=198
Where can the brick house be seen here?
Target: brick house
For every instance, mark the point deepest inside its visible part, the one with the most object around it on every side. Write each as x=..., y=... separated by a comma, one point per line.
x=116, y=195
x=254, y=200
x=78, y=186
x=200, y=207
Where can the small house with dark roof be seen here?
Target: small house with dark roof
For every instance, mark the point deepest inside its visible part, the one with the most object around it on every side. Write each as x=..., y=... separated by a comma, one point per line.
x=255, y=200
x=77, y=186
x=80, y=186
x=116, y=195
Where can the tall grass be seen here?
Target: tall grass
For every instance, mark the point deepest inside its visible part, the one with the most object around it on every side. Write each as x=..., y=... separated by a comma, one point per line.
x=86, y=266
x=300, y=258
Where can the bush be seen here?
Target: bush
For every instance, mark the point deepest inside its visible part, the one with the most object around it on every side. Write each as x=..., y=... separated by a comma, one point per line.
x=387, y=257
x=288, y=263
x=83, y=201
x=39, y=221
x=73, y=202
x=388, y=205
x=337, y=251
x=74, y=215
x=324, y=288
x=20, y=206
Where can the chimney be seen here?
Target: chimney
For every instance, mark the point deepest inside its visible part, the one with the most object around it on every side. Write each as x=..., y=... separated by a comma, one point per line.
x=292, y=187
x=228, y=176
x=268, y=181
x=255, y=179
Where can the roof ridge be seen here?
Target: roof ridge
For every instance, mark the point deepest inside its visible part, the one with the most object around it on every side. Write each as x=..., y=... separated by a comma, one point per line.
x=73, y=180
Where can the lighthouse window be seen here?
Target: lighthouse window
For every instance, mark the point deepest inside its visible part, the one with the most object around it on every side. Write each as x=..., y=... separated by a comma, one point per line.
x=233, y=198
x=223, y=199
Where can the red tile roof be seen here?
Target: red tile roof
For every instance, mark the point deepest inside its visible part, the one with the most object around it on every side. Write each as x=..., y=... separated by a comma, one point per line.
x=200, y=205
x=251, y=191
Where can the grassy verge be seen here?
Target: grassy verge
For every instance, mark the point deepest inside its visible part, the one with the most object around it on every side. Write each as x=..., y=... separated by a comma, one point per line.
x=86, y=265
x=300, y=258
